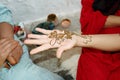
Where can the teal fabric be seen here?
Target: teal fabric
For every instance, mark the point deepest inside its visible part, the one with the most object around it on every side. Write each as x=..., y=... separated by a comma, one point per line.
x=5, y=14
x=45, y=25
x=25, y=69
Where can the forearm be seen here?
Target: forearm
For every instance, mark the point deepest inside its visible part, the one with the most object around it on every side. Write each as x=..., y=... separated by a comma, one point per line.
x=112, y=21
x=6, y=31
x=110, y=42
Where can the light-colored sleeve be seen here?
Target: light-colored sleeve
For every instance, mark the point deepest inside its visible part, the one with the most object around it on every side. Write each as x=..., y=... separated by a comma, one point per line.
x=5, y=14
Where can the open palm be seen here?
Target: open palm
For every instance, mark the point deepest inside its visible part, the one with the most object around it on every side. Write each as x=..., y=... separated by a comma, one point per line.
x=46, y=42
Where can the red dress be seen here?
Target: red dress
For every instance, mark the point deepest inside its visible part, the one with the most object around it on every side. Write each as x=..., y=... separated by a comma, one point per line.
x=96, y=64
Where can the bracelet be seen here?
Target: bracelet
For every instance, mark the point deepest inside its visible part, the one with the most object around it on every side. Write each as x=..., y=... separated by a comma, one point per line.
x=3, y=65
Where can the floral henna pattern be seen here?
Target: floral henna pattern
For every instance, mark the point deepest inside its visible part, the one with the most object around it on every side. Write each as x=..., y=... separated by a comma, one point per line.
x=60, y=37
x=87, y=39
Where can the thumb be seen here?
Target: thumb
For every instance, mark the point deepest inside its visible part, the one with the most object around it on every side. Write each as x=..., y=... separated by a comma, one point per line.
x=60, y=51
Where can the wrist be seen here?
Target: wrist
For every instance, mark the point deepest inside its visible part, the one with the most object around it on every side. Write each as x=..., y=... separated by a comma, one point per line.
x=78, y=40
x=84, y=40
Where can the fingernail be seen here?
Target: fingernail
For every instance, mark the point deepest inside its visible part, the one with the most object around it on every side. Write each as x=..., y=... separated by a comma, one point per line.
x=31, y=52
x=58, y=56
x=29, y=35
x=37, y=29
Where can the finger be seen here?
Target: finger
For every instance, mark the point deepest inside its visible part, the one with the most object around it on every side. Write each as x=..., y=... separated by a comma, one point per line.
x=7, y=66
x=17, y=52
x=7, y=43
x=8, y=49
x=10, y=46
x=37, y=36
x=41, y=48
x=61, y=50
x=2, y=41
x=44, y=31
x=12, y=60
x=15, y=55
x=36, y=41
x=20, y=51
x=5, y=53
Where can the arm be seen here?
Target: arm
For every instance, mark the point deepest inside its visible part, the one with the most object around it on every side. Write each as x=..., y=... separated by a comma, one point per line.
x=93, y=21
x=108, y=42
x=113, y=21
x=6, y=32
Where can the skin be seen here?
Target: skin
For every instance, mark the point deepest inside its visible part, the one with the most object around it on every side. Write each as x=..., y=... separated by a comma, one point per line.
x=6, y=47
x=12, y=49
x=113, y=21
x=109, y=42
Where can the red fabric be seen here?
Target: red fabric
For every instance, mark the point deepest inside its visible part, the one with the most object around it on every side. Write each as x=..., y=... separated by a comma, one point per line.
x=96, y=64
x=16, y=29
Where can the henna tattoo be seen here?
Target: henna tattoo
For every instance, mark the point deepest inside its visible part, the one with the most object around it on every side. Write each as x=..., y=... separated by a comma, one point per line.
x=60, y=37
x=87, y=39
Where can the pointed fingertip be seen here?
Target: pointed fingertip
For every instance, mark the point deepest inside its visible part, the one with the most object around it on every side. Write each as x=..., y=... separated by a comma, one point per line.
x=58, y=55
x=37, y=29
x=31, y=52
x=25, y=41
x=29, y=35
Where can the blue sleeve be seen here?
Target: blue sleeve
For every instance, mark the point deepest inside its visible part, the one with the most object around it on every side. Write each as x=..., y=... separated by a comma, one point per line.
x=5, y=14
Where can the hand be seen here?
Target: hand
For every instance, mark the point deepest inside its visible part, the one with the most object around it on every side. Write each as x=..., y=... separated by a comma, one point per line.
x=15, y=55
x=6, y=47
x=46, y=43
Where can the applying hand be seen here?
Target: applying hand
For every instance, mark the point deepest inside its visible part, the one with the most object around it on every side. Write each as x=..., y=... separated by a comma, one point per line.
x=46, y=42
x=15, y=55
x=6, y=47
